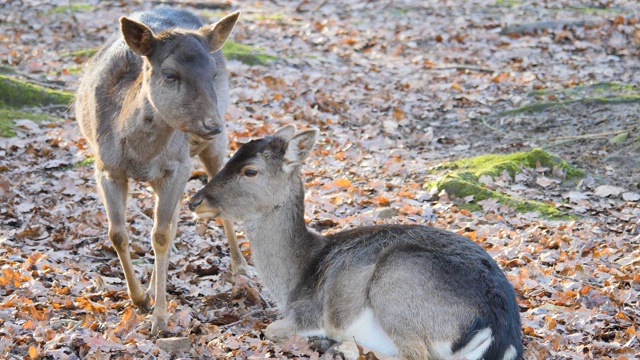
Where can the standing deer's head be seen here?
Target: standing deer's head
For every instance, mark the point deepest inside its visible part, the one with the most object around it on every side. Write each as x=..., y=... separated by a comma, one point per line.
x=179, y=73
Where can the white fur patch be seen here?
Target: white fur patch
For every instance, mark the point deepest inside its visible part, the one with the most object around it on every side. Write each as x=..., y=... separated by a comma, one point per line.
x=206, y=215
x=510, y=354
x=310, y=333
x=367, y=332
x=476, y=347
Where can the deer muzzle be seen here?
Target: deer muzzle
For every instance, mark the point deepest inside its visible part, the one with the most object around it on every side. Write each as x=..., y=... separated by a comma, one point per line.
x=195, y=201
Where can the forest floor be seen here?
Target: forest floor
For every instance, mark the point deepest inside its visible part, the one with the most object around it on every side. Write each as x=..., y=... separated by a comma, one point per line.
x=398, y=90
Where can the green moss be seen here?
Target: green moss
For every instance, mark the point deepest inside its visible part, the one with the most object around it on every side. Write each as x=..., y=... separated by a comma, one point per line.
x=544, y=105
x=596, y=93
x=71, y=8
x=8, y=117
x=619, y=138
x=15, y=93
x=89, y=161
x=507, y=3
x=274, y=16
x=84, y=53
x=462, y=188
x=601, y=89
x=246, y=54
x=494, y=164
x=461, y=179
x=597, y=10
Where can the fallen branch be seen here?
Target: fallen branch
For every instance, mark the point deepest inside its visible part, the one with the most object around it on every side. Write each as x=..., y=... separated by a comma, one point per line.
x=585, y=136
x=503, y=133
x=321, y=4
x=195, y=4
x=464, y=67
x=545, y=105
x=530, y=28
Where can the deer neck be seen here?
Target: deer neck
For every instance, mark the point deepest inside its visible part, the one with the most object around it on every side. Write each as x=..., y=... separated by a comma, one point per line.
x=146, y=134
x=282, y=246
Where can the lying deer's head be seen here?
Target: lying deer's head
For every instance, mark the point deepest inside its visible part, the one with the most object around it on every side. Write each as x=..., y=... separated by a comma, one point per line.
x=262, y=175
x=179, y=72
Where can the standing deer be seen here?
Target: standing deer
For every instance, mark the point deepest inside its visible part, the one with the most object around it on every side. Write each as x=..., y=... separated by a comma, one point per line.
x=154, y=96
x=407, y=290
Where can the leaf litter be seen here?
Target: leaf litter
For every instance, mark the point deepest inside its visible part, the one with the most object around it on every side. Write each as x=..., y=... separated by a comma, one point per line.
x=391, y=100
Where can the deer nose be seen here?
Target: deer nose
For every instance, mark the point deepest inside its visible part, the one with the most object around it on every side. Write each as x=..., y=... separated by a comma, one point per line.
x=213, y=130
x=195, y=202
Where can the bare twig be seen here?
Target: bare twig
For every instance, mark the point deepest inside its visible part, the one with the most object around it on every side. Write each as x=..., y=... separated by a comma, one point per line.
x=96, y=257
x=58, y=85
x=226, y=326
x=139, y=212
x=262, y=297
x=503, y=133
x=196, y=4
x=321, y=4
x=464, y=67
x=534, y=27
x=585, y=136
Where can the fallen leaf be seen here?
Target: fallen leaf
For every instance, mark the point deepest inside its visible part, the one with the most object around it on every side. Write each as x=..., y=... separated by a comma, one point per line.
x=608, y=190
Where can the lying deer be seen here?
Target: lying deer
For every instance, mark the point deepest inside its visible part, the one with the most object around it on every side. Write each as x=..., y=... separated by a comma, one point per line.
x=407, y=290
x=152, y=97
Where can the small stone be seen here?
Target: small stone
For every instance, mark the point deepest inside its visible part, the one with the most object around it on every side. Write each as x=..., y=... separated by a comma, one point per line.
x=387, y=213
x=174, y=344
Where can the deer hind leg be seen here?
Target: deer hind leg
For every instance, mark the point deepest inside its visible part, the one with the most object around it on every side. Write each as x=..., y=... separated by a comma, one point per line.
x=168, y=192
x=211, y=158
x=114, y=196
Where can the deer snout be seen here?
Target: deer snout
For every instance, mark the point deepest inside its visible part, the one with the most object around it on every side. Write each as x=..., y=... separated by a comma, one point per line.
x=195, y=201
x=213, y=129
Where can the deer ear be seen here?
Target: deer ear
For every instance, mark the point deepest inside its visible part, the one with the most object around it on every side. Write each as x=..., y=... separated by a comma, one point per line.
x=216, y=34
x=286, y=132
x=300, y=146
x=137, y=36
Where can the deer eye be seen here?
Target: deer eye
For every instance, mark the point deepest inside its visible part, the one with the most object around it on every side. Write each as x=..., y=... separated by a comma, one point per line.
x=169, y=76
x=250, y=172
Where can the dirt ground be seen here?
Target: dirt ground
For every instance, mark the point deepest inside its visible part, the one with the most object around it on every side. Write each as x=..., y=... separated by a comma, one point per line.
x=396, y=88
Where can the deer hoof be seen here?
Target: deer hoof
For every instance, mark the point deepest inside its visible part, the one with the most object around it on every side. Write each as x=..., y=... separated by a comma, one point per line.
x=144, y=305
x=158, y=325
x=240, y=268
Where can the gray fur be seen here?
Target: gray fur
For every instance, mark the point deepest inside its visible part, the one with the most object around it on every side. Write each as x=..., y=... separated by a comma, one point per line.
x=151, y=98
x=431, y=291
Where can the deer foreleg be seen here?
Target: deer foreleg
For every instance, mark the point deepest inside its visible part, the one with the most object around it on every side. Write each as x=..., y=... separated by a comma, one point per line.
x=114, y=196
x=168, y=190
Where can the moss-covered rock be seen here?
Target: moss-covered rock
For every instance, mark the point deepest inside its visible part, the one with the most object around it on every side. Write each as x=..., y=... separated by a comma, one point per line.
x=16, y=94
x=494, y=164
x=246, y=54
x=461, y=179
